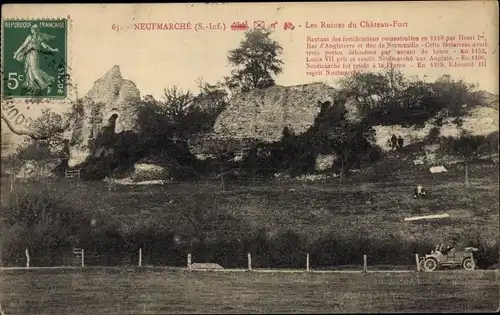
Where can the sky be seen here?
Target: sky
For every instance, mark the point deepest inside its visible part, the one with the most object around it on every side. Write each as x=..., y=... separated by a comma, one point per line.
x=157, y=59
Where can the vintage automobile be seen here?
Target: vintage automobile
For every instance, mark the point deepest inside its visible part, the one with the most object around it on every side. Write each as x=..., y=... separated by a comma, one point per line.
x=449, y=258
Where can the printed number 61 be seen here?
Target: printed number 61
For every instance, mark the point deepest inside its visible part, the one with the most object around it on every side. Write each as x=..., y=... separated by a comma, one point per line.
x=13, y=80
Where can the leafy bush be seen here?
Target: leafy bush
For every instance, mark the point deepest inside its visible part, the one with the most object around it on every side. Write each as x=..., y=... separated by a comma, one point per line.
x=38, y=221
x=391, y=98
x=434, y=133
x=43, y=223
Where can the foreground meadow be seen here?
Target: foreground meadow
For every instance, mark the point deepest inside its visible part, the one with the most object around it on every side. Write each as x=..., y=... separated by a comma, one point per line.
x=121, y=291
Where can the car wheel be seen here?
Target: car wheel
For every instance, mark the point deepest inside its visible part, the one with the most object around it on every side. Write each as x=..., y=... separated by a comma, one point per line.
x=422, y=264
x=468, y=263
x=430, y=264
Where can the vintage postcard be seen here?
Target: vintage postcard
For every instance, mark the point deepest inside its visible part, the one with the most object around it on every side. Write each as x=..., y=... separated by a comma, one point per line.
x=249, y=158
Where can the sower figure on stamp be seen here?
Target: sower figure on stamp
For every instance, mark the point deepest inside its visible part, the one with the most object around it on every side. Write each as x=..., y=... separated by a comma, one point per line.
x=35, y=78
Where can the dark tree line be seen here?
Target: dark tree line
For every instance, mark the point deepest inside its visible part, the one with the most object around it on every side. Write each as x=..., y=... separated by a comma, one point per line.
x=49, y=228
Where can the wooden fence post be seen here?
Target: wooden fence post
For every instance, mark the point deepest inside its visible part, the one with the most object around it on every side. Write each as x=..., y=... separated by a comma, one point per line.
x=140, y=257
x=27, y=253
x=249, y=256
x=307, y=262
x=365, y=263
x=83, y=258
x=189, y=262
x=417, y=261
x=12, y=182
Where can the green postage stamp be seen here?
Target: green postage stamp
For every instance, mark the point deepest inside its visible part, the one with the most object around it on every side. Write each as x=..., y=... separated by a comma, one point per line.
x=34, y=58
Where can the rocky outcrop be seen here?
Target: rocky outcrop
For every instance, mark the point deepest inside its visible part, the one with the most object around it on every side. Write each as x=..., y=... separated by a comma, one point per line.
x=264, y=113
x=324, y=161
x=480, y=121
x=112, y=101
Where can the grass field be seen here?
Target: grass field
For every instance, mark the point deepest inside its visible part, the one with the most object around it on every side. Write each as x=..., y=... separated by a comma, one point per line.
x=121, y=291
x=376, y=208
x=371, y=203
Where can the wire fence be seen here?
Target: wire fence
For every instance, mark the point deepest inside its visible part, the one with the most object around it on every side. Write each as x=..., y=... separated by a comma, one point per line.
x=79, y=258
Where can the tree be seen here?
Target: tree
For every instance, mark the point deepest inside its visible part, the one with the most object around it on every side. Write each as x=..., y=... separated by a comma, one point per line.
x=176, y=103
x=256, y=61
x=50, y=141
x=350, y=141
x=468, y=146
x=206, y=107
x=52, y=126
x=46, y=136
x=454, y=95
x=211, y=96
x=45, y=125
x=388, y=97
x=8, y=160
x=163, y=121
x=369, y=90
x=6, y=139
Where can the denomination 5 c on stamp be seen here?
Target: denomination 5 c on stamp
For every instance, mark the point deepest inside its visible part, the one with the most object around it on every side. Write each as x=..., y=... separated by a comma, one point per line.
x=34, y=58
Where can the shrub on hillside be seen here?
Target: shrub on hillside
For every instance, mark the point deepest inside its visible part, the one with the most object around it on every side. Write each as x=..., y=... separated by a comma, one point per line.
x=331, y=133
x=391, y=98
x=337, y=250
x=288, y=250
x=41, y=222
x=195, y=224
x=490, y=144
x=434, y=134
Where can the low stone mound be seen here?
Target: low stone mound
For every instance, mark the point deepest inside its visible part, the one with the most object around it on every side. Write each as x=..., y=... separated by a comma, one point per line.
x=130, y=182
x=438, y=169
x=205, y=266
x=148, y=172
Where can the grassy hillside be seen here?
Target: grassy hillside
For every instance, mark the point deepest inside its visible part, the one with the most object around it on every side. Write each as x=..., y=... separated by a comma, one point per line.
x=369, y=208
